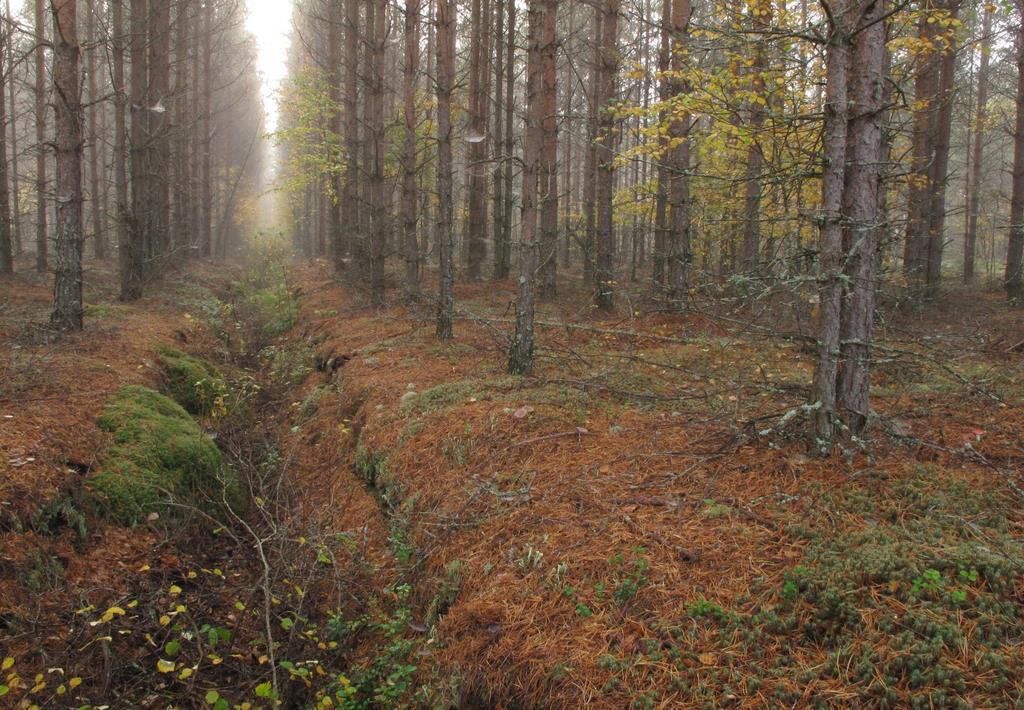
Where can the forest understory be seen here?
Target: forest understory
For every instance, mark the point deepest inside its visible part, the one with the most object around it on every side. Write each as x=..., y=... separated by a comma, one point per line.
x=394, y=521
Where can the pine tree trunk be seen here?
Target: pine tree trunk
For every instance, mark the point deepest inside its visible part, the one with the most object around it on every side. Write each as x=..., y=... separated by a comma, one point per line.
x=939, y=176
x=974, y=198
x=445, y=230
x=18, y=245
x=6, y=240
x=834, y=139
x=861, y=204
x=679, y=168
x=124, y=235
x=520, y=356
x=158, y=143
x=498, y=195
x=350, y=192
x=761, y=11
x=548, y=175
x=93, y=137
x=41, y=90
x=606, y=141
x=205, y=137
x=590, y=162
x=67, y=81
x=133, y=263
x=337, y=236
x=503, y=241
x=410, y=218
x=1014, y=276
x=377, y=27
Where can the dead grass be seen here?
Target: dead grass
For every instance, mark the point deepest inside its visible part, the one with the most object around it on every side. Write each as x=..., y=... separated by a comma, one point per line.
x=623, y=451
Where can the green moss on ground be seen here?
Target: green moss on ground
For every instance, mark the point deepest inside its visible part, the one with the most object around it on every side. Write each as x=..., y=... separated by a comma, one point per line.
x=158, y=454
x=193, y=383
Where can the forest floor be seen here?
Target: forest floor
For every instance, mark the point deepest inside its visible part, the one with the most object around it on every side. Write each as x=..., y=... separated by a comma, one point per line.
x=641, y=523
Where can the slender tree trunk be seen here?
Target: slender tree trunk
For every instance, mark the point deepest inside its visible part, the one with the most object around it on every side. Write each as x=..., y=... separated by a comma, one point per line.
x=1014, y=276
x=334, y=27
x=125, y=246
x=761, y=12
x=520, y=356
x=503, y=241
x=15, y=154
x=606, y=141
x=590, y=165
x=67, y=81
x=182, y=130
x=662, y=229
x=679, y=167
x=939, y=176
x=933, y=91
x=476, y=168
x=95, y=136
x=158, y=143
x=410, y=218
x=830, y=277
x=6, y=240
x=41, y=88
x=133, y=259
x=205, y=137
x=445, y=234
x=377, y=27
x=974, y=198
x=861, y=206
x=548, y=175
x=350, y=192
x=498, y=195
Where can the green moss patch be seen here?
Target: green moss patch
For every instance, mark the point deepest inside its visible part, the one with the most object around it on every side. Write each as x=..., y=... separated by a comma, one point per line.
x=193, y=383
x=158, y=455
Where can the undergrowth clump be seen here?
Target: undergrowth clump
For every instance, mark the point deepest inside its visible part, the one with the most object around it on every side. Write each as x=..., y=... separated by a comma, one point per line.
x=192, y=382
x=159, y=455
x=263, y=300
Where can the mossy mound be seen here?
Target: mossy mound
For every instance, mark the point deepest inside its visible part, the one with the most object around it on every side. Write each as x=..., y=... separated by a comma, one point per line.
x=193, y=383
x=159, y=454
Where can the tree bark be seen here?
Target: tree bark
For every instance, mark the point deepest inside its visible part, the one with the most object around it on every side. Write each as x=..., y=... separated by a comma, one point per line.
x=157, y=209
x=830, y=238
x=18, y=244
x=67, y=79
x=205, y=136
x=410, y=218
x=520, y=356
x=41, y=88
x=476, y=193
x=377, y=27
x=605, y=143
x=973, y=199
x=445, y=234
x=350, y=192
x=498, y=194
x=761, y=14
x=861, y=208
x=6, y=233
x=1014, y=275
x=336, y=240
x=503, y=240
x=124, y=235
x=679, y=168
x=94, y=136
x=548, y=168
x=133, y=259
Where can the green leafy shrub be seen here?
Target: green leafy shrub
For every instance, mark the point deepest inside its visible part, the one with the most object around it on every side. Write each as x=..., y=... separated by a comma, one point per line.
x=193, y=383
x=158, y=453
